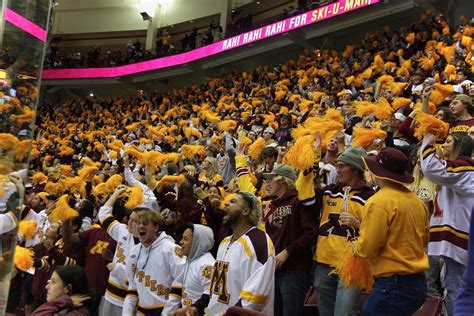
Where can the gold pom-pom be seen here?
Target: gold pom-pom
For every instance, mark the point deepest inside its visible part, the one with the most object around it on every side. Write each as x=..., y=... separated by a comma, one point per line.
x=135, y=197
x=27, y=229
x=364, y=107
x=379, y=63
x=87, y=172
x=65, y=169
x=62, y=210
x=116, y=145
x=39, y=177
x=398, y=103
x=22, y=149
x=227, y=125
x=364, y=137
x=171, y=179
x=410, y=38
x=256, y=148
x=427, y=63
x=279, y=95
x=192, y=150
x=354, y=271
x=427, y=123
x=113, y=182
x=301, y=155
x=383, y=110
x=90, y=163
x=366, y=74
x=132, y=127
x=334, y=115
x=76, y=184
x=54, y=188
x=23, y=258
x=100, y=190
x=66, y=151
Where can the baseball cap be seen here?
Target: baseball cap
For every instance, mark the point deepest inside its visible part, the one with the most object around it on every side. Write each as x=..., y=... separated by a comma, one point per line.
x=281, y=170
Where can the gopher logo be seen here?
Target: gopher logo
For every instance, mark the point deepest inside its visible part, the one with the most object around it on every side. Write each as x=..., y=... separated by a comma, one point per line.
x=207, y=272
x=178, y=252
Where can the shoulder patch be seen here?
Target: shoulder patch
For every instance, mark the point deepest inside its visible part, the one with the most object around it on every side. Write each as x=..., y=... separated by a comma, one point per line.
x=178, y=252
x=207, y=272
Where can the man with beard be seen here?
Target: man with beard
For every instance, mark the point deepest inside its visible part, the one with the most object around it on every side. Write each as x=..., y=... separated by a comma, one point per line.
x=244, y=271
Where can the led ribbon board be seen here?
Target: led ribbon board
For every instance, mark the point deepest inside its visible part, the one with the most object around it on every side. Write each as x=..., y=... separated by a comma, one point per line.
x=310, y=17
x=24, y=24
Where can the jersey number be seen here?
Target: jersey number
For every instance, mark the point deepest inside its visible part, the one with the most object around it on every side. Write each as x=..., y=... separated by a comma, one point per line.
x=219, y=281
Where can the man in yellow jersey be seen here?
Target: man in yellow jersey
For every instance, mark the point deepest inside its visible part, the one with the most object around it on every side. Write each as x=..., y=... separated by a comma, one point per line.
x=342, y=212
x=393, y=235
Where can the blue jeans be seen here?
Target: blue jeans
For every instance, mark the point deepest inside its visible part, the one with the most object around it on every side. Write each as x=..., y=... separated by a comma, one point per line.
x=290, y=290
x=396, y=295
x=333, y=298
x=452, y=282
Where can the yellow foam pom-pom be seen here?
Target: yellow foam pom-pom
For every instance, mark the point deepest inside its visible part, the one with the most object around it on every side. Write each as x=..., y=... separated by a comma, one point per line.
x=62, y=210
x=256, y=148
x=135, y=197
x=23, y=258
x=354, y=271
x=27, y=229
x=428, y=123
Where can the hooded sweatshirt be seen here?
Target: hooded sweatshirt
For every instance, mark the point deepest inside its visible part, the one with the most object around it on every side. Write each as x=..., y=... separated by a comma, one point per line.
x=197, y=274
x=151, y=271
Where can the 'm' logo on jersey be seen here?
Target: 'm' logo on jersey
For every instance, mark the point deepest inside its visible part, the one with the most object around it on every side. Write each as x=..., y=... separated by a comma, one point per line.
x=219, y=281
x=334, y=227
x=99, y=247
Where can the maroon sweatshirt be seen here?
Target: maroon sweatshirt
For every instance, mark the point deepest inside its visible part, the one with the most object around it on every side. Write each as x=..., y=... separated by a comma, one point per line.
x=292, y=225
x=95, y=241
x=60, y=306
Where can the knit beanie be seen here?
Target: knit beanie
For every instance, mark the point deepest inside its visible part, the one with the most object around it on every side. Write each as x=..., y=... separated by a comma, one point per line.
x=352, y=156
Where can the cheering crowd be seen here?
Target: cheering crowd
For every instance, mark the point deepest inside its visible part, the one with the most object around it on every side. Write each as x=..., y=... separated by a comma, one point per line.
x=347, y=172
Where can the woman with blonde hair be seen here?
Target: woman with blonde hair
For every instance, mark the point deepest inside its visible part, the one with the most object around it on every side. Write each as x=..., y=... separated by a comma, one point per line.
x=209, y=175
x=449, y=224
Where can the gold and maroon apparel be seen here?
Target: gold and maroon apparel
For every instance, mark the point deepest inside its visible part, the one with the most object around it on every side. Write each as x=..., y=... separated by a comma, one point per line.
x=96, y=240
x=449, y=224
x=46, y=262
x=292, y=224
x=332, y=236
x=461, y=126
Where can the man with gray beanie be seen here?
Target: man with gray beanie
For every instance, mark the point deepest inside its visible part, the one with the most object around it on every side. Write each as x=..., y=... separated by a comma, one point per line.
x=341, y=214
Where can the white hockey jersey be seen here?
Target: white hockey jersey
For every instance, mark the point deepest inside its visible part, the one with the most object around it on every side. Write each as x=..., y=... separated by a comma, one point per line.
x=449, y=224
x=244, y=274
x=150, y=272
x=117, y=284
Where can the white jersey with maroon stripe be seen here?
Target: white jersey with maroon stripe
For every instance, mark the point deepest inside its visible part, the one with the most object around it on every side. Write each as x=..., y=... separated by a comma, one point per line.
x=151, y=272
x=244, y=274
x=117, y=284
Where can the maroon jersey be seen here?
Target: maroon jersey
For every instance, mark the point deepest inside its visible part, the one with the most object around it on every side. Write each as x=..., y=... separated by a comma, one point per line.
x=46, y=262
x=96, y=240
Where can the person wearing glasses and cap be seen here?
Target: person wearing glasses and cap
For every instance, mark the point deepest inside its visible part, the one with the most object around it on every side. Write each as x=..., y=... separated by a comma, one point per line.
x=393, y=236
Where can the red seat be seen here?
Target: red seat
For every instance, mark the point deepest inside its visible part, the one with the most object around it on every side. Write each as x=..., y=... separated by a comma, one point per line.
x=431, y=306
x=311, y=302
x=240, y=311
